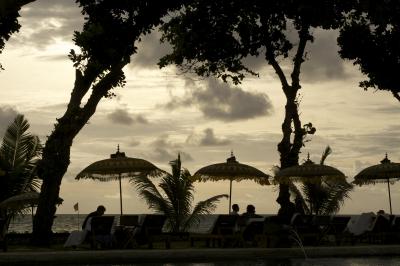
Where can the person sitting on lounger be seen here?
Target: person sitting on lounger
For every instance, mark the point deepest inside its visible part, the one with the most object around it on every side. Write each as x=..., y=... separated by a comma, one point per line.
x=251, y=212
x=235, y=209
x=76, y=237
x=99, y=212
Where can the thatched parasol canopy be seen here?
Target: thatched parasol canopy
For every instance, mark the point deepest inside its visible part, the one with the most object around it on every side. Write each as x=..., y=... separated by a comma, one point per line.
x=119, y=166
x=385, y=172
x=232, y=170
x=309, y=172
x=23, y=200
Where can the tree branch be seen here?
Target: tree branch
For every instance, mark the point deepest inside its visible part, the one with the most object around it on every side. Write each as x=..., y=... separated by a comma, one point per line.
x=304, y=36
x=100, y=90
x=272, y=61
x=396, y=95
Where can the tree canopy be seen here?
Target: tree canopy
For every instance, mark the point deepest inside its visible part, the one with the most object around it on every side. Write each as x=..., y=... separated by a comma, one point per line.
x=371, y=38
x=213, y=38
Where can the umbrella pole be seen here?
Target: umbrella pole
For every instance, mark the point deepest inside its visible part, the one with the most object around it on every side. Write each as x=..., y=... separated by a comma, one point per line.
x=120, y=193
x=230, y=197
x=390, y=198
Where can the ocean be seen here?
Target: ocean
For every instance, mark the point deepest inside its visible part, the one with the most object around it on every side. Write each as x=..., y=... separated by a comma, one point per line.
x=69, y=222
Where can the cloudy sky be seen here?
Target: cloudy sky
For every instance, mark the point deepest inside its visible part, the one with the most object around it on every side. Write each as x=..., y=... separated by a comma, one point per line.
x=162, y=112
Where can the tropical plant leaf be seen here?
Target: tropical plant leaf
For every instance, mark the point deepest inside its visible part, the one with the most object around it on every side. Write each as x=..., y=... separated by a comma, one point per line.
x=174, y=197
x=325, y=154
x=19, y=155
x=203, y=207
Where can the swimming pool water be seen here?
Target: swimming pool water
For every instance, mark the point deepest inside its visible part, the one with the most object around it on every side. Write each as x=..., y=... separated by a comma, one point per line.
x=370, y=261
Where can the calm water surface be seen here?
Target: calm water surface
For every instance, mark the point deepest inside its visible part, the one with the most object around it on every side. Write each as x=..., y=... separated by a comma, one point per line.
x=376, y=261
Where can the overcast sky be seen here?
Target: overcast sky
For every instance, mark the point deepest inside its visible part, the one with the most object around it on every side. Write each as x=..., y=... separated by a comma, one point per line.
x=161, y=112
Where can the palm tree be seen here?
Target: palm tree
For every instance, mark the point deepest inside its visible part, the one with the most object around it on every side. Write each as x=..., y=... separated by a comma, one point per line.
x=322, y=196
x=19, y=155
x=175, y=197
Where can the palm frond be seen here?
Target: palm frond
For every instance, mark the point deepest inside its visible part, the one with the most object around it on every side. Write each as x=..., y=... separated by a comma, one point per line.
x=17, y=143
x=325, y=154
x=338, y=192
x=295, y=191
x=203, y=207
x=143, y=183
x=157, y=203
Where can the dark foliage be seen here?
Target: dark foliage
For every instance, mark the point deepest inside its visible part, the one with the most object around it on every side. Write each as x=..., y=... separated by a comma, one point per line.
x=371, y=37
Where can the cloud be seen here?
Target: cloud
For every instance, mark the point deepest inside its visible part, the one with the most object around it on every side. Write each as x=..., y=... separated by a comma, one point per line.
x=7, y=115
x=133, y=143
x=208, y=138
x=55, y=57
x=164, y=150
x=121, y=116
x=220, y=101
x=150, y=50
x=324, y=62
x=49, y=21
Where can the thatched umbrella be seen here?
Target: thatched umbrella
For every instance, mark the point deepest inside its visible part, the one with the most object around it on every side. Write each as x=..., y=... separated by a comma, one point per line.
x=232, y=170
x=119, y=166
x=23, y=201
x=385, y=172
x=314, y=175
x=309, y=172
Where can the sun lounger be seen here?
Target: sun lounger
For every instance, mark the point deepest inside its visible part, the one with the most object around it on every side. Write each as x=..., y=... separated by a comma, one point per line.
x=336, y=232
x=150, y=230
x=306, y=229
x=395, y=230
x=129, y=220
x=224, y=230
x=100, y=231
x=379, y=230
x=124, y=233
x=251, y=232
x=3, y=234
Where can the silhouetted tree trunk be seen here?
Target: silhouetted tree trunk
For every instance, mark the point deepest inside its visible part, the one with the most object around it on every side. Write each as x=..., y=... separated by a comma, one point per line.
x=289, y=150
x=106, y=43
x=56, y=154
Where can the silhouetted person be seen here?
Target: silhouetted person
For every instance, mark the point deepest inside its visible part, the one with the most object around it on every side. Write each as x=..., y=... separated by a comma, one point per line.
x=99, y=212
x=235, y=209
x=251, y=212
x=286, y=211
x=299, y=206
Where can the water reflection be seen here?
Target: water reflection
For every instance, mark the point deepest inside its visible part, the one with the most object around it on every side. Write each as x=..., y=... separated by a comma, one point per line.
x=380, y=261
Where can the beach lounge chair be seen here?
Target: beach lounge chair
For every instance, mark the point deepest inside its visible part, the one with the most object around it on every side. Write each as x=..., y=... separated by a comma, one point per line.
x=3, y=234
x=129, y=220
x=306, y=229
x=150, y=230
x=225, y=231
x=125, y=232
x=272, y=230
x=337, y=230
x=380, y=230
x=100, y=233
x=394, y=237
x=252, y=231
x=322, y=224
